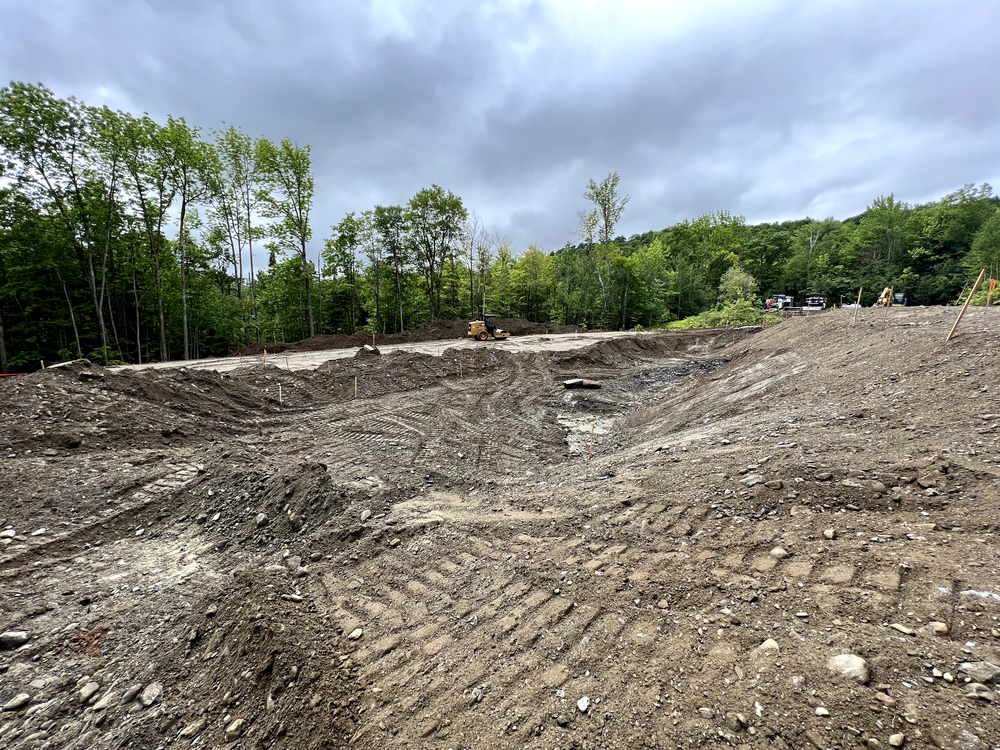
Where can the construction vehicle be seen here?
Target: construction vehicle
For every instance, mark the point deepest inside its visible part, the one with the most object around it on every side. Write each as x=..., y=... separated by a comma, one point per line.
x=779, y=302
x=483, y=329
x=890, y=298
x=815, y=302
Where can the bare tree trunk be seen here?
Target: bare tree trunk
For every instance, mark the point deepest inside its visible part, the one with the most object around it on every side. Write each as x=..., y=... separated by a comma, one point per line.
x=319, y=285
x=253, y=281
x=135, y=294
x=399, y=295
x=184, y=304
x=3, y=346
x=309, y=299
x=72, y=318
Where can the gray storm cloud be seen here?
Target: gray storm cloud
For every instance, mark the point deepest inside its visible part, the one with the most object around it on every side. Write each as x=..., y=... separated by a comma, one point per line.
x=772, y=111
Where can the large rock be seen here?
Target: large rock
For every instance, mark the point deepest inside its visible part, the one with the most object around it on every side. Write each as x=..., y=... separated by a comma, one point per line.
x=88, y=691
x=19, y=701
x=577, y=383
x=980, y=671
x=150, y=694
x=770, y=646
x=234, y=730
x=14, y=638
x=850, y=666
x=194, y=728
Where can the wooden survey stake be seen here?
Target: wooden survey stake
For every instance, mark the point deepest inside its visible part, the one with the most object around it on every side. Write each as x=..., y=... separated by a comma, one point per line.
x=967, y=301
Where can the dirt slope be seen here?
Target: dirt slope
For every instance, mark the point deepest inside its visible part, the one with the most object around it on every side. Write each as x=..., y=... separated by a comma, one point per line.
x=462, y=554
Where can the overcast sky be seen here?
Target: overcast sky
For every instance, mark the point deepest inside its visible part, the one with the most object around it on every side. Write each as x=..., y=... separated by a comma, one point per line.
x=767, y=109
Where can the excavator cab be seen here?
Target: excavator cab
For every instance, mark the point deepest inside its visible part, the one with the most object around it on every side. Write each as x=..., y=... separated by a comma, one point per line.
x=483, y=329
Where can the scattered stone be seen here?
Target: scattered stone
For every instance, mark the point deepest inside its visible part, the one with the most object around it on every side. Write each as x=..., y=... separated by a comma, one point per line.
x=195, y=727
x=980, y=671
x=130, y=694
x=394, y=543
x=301, y=572
x=583, y=704
x=897, y=740
x=365, y=515
x=850, y=666
x=234, y=730
x=14, y=638
x=201, y=518
x=937, y=629
x=151, y=693
x=779, y=553
x=88, y=691
x=19, y=701
x=355, y=634
x=104, y=702
x=751, y=480
x=316, y=557
x=978, y=690
x=820, y=711
x=211, y=611
x=577, y=383
x=262, y=520
x=830, y=534
x=663, y=604
x=814, y=737
x=737, y=722
x=8, y=534
x=293, y=562
x=902, y=629
x=770, y=646
x=864, y=484
x=824, y=476
x=706, y=712
x=774, y=484
x=38, y=532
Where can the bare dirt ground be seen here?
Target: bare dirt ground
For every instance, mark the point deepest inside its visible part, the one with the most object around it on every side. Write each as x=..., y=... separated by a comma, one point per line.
x=197, y=559
x=435, y=330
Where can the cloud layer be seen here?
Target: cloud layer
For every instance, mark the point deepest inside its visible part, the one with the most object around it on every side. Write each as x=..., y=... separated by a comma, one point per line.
x=772, y=110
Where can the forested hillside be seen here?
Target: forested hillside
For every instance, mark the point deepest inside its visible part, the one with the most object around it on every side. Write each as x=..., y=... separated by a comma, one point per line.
x=127, y=240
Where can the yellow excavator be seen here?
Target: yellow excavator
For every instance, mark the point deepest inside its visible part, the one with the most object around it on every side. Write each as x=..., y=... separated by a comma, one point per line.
x=483, y=329
x=891, y=298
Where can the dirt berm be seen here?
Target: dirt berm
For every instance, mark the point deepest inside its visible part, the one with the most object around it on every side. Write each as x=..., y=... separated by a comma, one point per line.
x=775, y=539
x=435, y=330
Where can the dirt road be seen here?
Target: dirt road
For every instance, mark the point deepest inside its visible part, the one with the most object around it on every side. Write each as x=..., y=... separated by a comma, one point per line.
x=783, y=540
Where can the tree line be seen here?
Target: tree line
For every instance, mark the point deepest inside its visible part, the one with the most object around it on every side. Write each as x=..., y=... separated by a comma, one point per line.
x=127, y=240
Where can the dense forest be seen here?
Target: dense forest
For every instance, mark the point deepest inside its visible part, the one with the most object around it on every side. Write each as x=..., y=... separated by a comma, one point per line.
x=127, y=240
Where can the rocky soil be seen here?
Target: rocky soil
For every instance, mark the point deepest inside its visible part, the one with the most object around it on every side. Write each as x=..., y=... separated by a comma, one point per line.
x=777, y=538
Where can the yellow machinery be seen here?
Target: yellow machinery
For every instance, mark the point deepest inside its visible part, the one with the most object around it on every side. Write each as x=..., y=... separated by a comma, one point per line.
x=483, y=329
x=891, y=298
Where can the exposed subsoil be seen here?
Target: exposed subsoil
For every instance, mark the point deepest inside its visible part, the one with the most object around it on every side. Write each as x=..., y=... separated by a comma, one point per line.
x=462, y=553
x=435, y=330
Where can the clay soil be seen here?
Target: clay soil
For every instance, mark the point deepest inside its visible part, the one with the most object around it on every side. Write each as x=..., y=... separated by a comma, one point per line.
x=460, y=555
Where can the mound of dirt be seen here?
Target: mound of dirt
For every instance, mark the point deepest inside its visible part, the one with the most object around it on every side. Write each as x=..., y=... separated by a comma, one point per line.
x=782, y=539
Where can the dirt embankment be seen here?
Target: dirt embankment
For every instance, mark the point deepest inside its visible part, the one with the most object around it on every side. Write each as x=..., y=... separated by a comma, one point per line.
x=781, y=540
x=436, y=330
